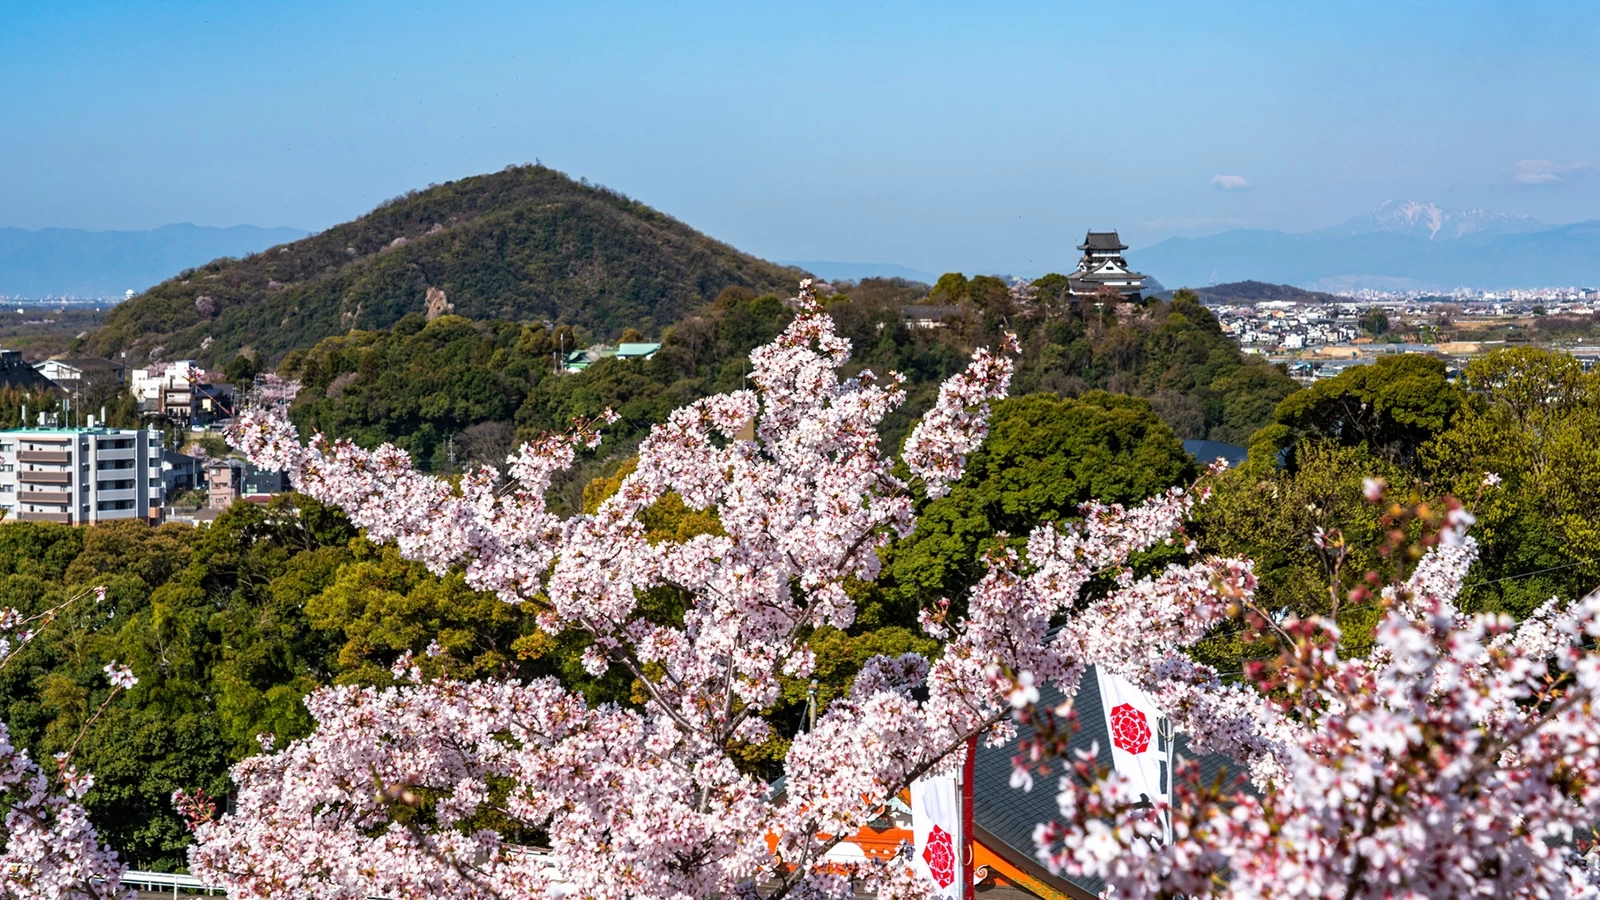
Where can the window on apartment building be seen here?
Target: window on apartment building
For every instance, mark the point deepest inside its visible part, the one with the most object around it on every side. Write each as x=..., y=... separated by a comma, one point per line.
x=121, y=485
x=113, y=505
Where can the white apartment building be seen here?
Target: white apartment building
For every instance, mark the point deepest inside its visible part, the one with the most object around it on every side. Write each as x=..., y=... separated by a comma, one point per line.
x=80, y=476
x=148, y=383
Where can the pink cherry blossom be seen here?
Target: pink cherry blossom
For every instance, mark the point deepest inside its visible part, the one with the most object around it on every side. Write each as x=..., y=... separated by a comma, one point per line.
x=50, y=848
x=1460, y=758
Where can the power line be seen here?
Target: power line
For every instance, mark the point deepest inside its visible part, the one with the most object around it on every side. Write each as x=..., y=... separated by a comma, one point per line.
x=1524, y=575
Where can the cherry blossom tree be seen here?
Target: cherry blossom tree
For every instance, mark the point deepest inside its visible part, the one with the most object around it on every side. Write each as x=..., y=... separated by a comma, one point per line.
x=1460, y=758
x=51, y=851
x=437, y=788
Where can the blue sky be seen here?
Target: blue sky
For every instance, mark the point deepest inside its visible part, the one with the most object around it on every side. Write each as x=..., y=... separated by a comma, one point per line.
x=983, y=136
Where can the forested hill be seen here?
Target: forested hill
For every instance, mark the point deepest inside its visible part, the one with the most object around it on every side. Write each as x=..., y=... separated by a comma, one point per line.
x=523, y=244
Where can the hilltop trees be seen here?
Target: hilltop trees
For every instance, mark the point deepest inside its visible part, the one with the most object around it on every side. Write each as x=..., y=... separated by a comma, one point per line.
x=1531, y=417
x=526, y=243
x=1393, y=407
x=1523, y=415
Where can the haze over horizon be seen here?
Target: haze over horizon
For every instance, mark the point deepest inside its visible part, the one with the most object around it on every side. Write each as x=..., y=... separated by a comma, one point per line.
x=929, y=136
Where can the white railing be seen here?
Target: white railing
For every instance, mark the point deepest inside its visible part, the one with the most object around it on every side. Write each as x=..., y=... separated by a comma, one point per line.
x=167, y=882
x=180, y=885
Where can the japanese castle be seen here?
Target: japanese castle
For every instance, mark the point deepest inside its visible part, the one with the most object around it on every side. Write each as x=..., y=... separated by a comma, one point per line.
x=1102, y=266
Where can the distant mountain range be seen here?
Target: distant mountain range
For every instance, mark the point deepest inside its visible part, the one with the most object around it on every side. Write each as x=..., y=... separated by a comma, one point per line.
x=854, y=271
x=1402, y=245
x=61, y=261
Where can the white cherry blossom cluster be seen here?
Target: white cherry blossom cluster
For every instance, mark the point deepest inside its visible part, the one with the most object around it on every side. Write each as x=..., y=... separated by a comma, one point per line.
x=51, y=851
x=1460, y=758
x=427, y=789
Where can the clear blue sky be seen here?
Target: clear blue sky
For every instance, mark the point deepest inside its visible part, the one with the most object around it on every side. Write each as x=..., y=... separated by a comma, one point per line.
x=982, y=136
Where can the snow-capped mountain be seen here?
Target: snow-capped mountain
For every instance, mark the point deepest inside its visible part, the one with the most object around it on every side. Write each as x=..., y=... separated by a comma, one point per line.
x=1400, y=245
x=1434, y=222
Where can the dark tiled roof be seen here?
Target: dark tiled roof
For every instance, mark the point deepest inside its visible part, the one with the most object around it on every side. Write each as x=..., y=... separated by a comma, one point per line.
x=931, y=311
x=93, y=362
x=1206, y=452
x=15, y=373
x=1102, y=240
x=1009, y=815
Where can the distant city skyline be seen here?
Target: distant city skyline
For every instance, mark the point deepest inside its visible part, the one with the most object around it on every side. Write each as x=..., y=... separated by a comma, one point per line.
x=932, y=136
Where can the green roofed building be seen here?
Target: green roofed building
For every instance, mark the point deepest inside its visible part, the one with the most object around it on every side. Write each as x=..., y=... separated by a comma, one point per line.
x=637, y=351
x=578, y=360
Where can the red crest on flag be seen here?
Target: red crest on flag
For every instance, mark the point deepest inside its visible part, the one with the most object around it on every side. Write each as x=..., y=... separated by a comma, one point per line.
x=1130, y=730
x=940, y=855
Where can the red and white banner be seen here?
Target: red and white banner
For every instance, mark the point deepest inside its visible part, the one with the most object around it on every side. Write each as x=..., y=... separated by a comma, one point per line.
x=936, y=832
x=1139, y=749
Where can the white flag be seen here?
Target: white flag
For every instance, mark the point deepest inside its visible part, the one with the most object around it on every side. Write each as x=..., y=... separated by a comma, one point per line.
x=1138, y=737
x=936, y=831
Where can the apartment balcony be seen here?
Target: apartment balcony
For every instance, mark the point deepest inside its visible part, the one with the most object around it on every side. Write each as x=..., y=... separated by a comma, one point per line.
x=62, y=497
x=60, y=518
x=36, y=477
x=54, y=457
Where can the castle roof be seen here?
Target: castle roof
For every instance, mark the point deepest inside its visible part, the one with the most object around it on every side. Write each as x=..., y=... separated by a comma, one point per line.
x=1102, y=240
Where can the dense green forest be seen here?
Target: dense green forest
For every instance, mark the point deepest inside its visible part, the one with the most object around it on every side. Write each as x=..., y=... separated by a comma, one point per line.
x=526, y=243
x=455, y=392
x=1525, y=415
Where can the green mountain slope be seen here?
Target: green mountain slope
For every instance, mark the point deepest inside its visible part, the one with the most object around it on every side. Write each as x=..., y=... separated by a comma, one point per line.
x=525, y=243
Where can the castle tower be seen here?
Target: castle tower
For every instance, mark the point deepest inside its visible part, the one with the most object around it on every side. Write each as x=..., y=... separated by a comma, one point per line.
x=1102, y=266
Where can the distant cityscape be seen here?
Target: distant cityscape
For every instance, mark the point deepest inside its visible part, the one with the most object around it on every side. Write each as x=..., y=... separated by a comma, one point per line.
x=1320, y=340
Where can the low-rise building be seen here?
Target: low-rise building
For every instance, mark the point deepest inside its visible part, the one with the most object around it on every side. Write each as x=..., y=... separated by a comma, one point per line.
x=231, y=479
x=80, y=476
x=180, y=472
x=16, y=373
x=75, y=373
x=148, y=382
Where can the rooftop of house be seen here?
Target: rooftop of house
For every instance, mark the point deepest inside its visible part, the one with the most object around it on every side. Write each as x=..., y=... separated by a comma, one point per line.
x=57, y=431
x=85, y=362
